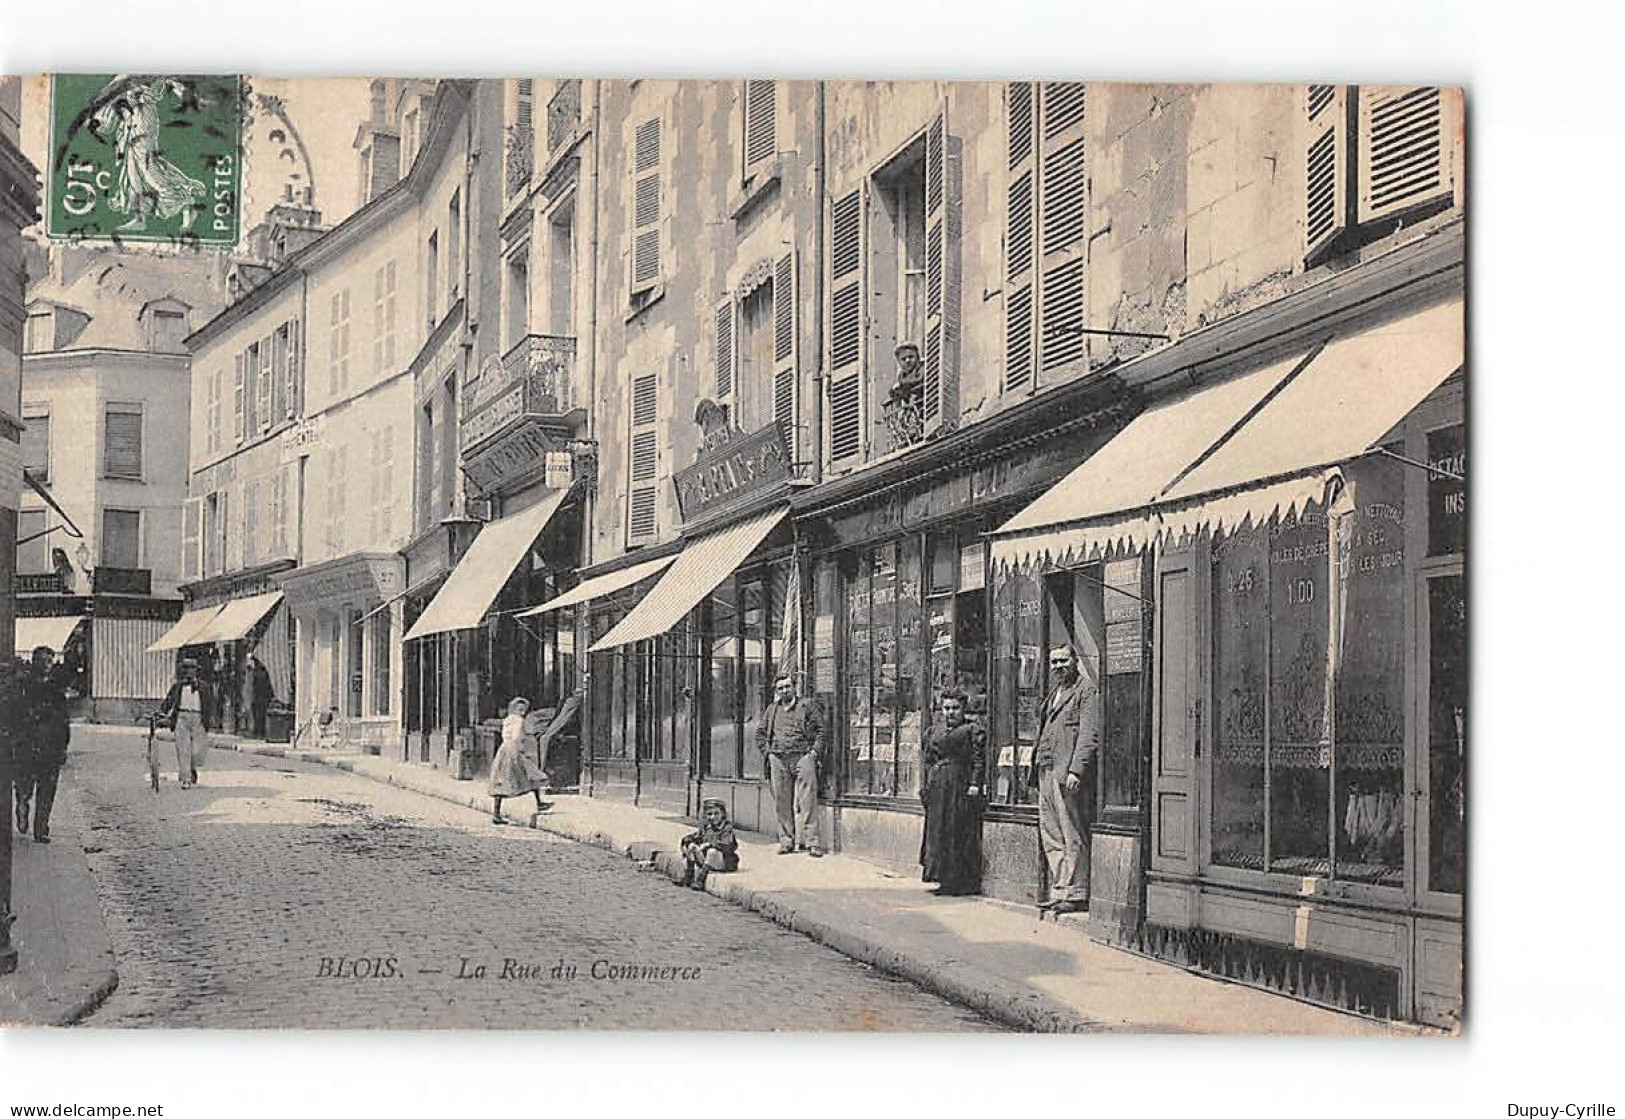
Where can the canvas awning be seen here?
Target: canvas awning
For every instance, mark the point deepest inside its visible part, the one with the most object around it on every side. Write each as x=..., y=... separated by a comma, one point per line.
x=698, y=571
x=237, y=618
x=478, y=577
x=1261, y=445
x=52, y=632
x=601, y=585
x=185, y=631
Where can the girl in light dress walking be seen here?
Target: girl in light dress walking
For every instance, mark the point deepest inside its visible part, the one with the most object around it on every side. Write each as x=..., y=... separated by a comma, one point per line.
x=514, y=771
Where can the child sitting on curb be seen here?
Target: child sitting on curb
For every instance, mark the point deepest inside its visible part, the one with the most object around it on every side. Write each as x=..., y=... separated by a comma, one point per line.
x=713, y=847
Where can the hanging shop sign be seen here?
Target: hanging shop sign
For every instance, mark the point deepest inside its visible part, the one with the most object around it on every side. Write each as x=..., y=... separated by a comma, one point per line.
x=732, y=467
x=358, y=578
x=515, y=455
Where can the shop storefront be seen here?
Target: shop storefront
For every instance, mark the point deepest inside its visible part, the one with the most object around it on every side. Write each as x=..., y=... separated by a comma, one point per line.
x=1298, y=529
x=229, y=619
x=346, y=657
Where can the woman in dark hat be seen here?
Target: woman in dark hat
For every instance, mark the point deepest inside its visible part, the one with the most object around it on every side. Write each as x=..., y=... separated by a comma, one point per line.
x=955, y=756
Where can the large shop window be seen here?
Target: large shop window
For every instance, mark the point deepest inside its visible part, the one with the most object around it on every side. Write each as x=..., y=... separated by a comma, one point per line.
x=884, y=671
x=744, y=625
x=1290, y=794
x=381, y=647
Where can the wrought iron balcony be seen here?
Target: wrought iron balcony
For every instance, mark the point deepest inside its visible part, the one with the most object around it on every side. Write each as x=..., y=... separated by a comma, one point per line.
x=536, y=377
x=519, y=157
x=902, y=414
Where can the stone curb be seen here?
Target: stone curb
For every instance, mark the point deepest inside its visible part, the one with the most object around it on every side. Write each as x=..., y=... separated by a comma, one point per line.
x=955, y=981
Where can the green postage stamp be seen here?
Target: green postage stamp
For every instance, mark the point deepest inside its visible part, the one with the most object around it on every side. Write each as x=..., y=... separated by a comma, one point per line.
x=146, y=157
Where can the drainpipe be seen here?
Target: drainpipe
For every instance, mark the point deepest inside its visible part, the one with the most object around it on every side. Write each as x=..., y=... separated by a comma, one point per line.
x=820, y=188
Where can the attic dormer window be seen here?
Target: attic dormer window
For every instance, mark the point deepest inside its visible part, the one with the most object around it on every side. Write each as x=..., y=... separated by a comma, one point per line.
x=167, y=333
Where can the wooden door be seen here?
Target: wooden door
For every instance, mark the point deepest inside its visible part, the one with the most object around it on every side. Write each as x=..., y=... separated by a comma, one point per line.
x=1177, y=711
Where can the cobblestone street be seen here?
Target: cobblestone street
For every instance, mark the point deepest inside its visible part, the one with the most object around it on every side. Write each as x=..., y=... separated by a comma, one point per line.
x=279, y=894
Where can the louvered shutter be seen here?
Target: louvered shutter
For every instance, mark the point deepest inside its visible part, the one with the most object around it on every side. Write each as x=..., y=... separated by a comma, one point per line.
x=389, y=313
x=375, y=479
x=344, y=340
x=335, y=499
x=846, y=327
x=940, y=372
x=296, y=371
x=191, y=538
x=333, y=342
x=1407, y=142
x=1020, y=221
x=378, y=321
x=761, y=124
x=784, y=349
x=724, y=347
x=642, y=523
x=386, y=496
x=1326, y=166
x=251, y=517
x=237, y=396
x=1062, y=210
x=277, y=546
x=231, y=535
x=122, y=453
x=263, y=419
x=646, y=206
x=279, y=376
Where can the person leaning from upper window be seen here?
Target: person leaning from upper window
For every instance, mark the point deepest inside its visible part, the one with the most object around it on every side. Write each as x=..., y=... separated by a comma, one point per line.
x=1063, y=773
x=790, y=737
x=513, y=771
x=185, y=705
x=955, y=757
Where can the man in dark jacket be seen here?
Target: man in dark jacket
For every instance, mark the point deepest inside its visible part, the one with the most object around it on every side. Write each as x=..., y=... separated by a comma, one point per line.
x=259, y=690
x=1063, y=771
x=42, y=748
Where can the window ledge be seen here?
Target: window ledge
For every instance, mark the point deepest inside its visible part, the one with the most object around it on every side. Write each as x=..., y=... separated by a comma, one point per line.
x=755, y=189
x=655, y=295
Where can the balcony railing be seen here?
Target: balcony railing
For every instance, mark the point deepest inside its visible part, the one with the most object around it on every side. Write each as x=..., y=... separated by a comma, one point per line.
x=536, y=377
x=903, y=416
x=563, y=114
x=519, y=157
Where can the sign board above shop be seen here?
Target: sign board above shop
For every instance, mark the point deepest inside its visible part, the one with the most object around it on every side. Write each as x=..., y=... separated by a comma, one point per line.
x=732, y=467
x=519, y=453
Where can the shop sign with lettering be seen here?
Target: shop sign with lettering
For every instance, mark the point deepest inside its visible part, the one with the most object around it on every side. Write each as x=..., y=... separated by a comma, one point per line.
x=520, y=453
x=731, y=468
x=303, y=438
x=365, y=578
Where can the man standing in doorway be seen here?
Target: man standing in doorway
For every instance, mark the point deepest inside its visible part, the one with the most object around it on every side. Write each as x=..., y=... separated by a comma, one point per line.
x=1063, y=764
x=43, y=747
x=259, y=690
x=791, y=739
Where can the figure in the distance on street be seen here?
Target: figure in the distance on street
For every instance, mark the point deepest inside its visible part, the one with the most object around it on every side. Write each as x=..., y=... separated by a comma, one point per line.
x=790, y=738
x=513, y=771
x=713, y=847
x=183, y=708
x=148, y=184
x=42, y=747
x=259, y=691
x=955, y=757
x=1063, y=773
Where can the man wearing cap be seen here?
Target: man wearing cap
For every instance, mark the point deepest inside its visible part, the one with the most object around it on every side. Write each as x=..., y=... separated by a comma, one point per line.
x=791, y=739
x=42, y=748
x=1063, y=772
x=185, y=704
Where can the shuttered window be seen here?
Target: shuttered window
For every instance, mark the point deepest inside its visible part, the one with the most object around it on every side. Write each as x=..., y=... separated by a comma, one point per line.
x=647, y=206
x=1062, y=211
x=381, y=508
x=191, y=538
x=277, y=546
x=211, y=414
x=642, y=522
x=784, y=349
x=939, y=406
x=723, y=347
x=1020, y=223
x=338, y=343
x=761, y=124
x=239, y=399
x=263, y=392
x=383, y=318
x=122, y=452
x=121, y=538
x=295, y=370
x=1406, y=139
x=846, y=326
x=36, y=446
x=1326, y=164
x=251, y=521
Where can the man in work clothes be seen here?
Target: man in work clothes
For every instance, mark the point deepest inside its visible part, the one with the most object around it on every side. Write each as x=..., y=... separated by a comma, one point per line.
x=1063, y=761
x=186, y=702
x=791, y=738
x=42, y=748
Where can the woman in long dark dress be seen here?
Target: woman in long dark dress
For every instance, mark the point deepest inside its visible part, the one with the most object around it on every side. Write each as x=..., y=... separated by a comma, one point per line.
x=955, y=758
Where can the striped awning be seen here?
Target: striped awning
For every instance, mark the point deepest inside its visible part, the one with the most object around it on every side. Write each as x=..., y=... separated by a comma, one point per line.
x=475, y=582
x=1263, y=445
x=237, y=618
x=601, y=585
x=185, y=631
x=50, y=632
x=699, y=569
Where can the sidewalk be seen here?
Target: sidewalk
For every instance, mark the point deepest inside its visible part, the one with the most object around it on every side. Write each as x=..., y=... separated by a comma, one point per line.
x=66, y=965
x=996, y=958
